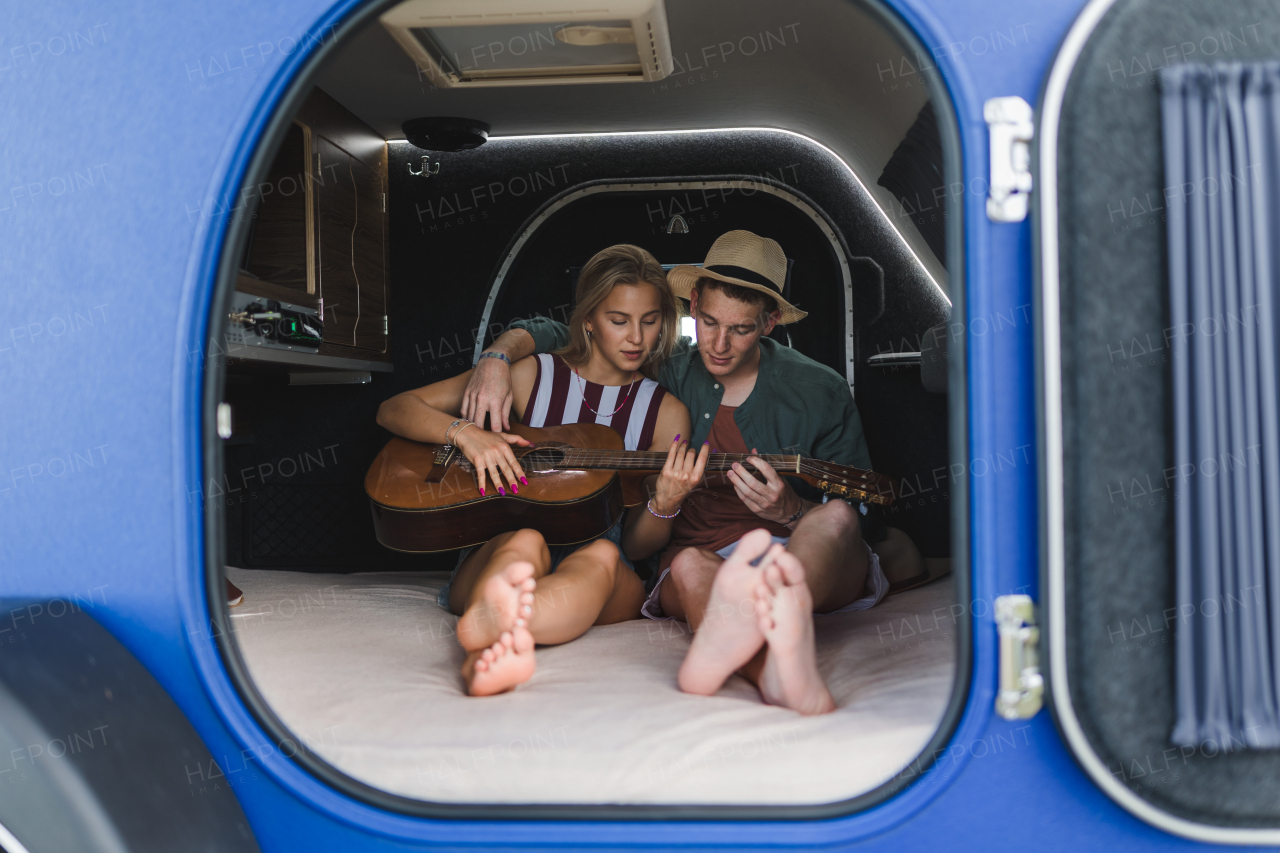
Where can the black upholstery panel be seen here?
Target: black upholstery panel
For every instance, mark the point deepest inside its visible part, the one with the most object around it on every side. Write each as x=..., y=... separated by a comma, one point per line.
x=1117, y=405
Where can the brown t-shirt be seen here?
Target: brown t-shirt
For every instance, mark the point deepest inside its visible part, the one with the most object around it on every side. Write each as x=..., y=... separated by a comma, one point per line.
x=714, y=516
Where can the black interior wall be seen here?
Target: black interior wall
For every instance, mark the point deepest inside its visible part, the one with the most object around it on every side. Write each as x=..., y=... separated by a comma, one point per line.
x=914, y=176
x=449, y=233
x=1117, y=406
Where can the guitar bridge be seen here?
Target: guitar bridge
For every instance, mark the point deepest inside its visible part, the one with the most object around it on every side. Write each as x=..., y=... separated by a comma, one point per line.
x=446, y=455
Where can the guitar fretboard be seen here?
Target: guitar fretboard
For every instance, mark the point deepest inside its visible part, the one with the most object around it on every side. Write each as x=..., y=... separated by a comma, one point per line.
x=835, y=479
x=653, y=460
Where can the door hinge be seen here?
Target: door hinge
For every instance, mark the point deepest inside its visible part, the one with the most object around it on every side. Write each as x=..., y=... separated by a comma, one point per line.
x=386, y=325
x=1010, y=132
x=1021, y=689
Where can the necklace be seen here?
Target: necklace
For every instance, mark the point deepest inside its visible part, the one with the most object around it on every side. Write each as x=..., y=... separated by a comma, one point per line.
x=583, y=391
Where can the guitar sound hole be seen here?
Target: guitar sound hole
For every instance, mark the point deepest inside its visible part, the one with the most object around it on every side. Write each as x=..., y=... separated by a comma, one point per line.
x=542, y=459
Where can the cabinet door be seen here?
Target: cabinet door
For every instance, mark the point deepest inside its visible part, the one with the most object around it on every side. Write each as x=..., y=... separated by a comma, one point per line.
x=281, y=242
x=336, y=219
x=368, y=252
x=350, y=248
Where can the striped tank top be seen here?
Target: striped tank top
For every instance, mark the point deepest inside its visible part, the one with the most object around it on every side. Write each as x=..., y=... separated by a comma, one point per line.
x=559, y=397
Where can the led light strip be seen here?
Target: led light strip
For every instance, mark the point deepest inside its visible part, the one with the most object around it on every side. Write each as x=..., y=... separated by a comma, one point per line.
x=883, y=214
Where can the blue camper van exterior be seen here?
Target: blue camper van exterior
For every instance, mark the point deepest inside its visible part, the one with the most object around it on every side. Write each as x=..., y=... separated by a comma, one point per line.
x=122, y=121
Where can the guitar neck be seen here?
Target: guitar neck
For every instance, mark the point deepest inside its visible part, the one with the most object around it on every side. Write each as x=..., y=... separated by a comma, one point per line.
x=833, y=479
x=653, y=460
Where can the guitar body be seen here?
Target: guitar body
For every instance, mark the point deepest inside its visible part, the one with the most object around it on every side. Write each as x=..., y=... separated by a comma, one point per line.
x=416, y=508
x=581, y=478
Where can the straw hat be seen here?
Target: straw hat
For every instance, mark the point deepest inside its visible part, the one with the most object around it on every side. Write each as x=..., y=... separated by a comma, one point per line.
x=744, y=259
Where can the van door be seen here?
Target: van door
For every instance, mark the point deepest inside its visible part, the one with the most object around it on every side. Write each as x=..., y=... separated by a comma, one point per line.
x=1119, y=513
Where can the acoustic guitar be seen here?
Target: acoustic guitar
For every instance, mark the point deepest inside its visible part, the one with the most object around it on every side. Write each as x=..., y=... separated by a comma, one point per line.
x=425, y=496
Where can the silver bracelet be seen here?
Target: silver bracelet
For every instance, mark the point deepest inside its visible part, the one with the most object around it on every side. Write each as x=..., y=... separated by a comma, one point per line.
x=454, y=424
x=649, y=506
x=495, y=355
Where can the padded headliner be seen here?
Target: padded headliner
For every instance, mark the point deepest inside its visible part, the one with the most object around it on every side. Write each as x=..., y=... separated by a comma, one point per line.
x=364, y=669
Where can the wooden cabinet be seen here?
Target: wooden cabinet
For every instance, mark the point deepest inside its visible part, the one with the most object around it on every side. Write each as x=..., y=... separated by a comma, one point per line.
x=321, y=225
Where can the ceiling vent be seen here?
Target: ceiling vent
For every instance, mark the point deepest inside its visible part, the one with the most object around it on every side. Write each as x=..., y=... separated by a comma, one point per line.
x=471, y=43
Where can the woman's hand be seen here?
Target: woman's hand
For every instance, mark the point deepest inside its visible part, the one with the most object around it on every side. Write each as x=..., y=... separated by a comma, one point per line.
x=491, y=455
x=680, y=475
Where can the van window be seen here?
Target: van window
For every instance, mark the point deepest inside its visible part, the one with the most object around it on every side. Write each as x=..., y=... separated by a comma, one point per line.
x=367, y=266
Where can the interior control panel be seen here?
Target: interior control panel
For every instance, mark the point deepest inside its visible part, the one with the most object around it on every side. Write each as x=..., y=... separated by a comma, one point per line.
x=255, y=321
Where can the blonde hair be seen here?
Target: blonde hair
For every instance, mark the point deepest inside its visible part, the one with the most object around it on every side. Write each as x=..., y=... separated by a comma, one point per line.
x=623, y=264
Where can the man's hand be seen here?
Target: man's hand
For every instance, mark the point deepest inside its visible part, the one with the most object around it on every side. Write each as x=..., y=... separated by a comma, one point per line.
x=489, y=393
x=772, y=500
x=489, y=389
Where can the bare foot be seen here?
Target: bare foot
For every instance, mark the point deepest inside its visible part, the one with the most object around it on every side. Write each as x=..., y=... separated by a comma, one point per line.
x=505, y=603
x=499, y=668
x=784, y=606
x=729, y=634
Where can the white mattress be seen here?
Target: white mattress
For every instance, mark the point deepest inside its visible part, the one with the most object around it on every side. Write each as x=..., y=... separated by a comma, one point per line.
x=364, y=669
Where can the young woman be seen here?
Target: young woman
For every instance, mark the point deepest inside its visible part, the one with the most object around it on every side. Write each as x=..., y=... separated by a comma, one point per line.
x=514, y=590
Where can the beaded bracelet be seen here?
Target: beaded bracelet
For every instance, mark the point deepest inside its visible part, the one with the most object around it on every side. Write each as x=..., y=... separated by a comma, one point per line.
x=649, y=506
x=496, y=355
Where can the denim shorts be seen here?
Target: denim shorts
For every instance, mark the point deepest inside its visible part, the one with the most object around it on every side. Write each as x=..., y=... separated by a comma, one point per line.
x=558, y=553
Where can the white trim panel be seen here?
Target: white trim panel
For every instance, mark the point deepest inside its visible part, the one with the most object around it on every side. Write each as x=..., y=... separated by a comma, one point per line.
x=565, y=200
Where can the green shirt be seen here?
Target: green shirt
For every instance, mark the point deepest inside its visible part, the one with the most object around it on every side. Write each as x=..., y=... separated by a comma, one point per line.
x=798, y=405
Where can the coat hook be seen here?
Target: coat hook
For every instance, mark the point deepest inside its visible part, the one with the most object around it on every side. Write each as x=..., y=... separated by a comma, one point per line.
x=426, y=170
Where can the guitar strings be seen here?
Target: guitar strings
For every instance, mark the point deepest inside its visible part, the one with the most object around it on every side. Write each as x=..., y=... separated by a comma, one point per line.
x=654, y=460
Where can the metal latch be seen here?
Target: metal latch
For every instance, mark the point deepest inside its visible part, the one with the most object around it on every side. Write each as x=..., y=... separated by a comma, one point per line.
x=1011, y=129
x=1021, y=685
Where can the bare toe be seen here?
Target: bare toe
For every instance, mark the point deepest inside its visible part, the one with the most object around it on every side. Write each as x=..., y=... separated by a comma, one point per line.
x=773, y=579
x=791, y=568
x=512, y=663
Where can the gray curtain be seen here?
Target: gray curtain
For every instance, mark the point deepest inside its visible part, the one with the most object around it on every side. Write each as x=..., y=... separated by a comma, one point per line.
x=1222, y=165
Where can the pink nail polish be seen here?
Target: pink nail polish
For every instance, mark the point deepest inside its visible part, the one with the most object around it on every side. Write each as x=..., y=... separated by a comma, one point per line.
x=515, y=490
x=677, y=438
x=523, y=480
x=482, y=493
x=501, y=492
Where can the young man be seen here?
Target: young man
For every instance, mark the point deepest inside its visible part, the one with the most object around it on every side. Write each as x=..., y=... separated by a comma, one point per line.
x=745, y=393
